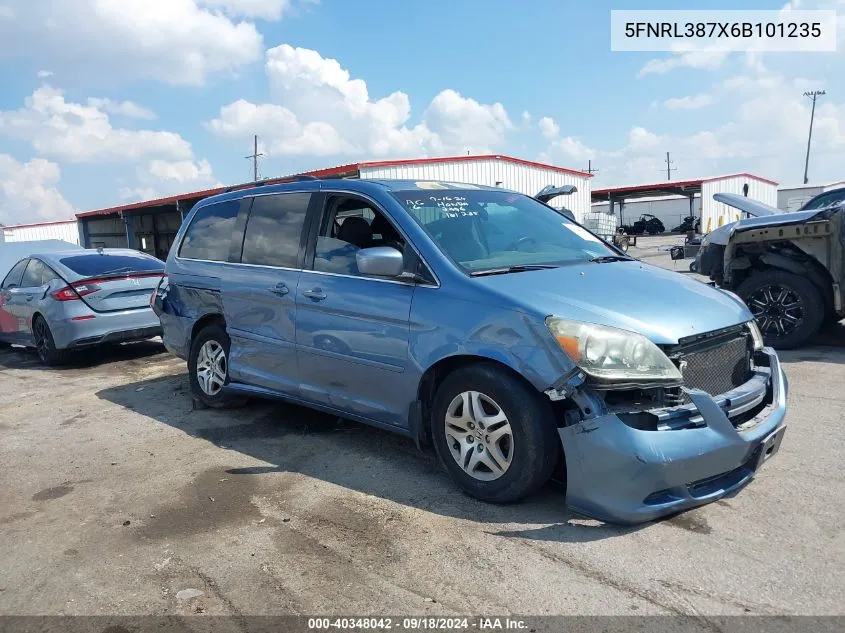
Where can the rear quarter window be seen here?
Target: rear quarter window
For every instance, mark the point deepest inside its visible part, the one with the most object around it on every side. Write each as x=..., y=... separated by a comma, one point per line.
x=210, y=234
x=105, y=264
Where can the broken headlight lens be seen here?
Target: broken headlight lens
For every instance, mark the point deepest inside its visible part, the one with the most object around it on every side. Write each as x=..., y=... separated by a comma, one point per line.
x=613, y=355
x=756, y=335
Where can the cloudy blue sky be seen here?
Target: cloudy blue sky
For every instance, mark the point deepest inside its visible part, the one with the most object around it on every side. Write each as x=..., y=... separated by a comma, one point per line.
x=112, y=101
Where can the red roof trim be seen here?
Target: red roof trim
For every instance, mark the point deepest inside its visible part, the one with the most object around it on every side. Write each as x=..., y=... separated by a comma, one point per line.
x=656, y=186
x=331, y=172
x=678, y=183
x=152, y=203
x=36, y=224
x=462, y=159
x=743, y=175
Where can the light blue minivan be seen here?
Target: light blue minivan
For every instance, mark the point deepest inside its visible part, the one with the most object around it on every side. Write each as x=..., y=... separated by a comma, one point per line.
x=485, y=323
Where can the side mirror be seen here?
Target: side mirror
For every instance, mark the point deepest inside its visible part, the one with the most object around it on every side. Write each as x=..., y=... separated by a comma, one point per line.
x=380, y=261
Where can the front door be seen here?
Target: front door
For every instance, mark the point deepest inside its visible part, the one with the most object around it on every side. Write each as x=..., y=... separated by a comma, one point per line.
x=32, y=291
x=352, y=331
x=259, y=292
x=12, y=300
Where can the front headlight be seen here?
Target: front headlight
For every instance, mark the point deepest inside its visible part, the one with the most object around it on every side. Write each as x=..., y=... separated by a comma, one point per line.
x=756, y=335
x=612, y=355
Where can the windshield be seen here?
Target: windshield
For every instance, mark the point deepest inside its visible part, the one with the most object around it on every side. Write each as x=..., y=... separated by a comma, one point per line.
x=105, y=264
x=484, y=230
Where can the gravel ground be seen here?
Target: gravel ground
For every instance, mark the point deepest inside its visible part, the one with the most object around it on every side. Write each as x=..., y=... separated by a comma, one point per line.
x=117, y=495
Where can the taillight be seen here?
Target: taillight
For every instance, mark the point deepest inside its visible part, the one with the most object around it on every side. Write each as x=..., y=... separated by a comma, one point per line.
x=72, y=293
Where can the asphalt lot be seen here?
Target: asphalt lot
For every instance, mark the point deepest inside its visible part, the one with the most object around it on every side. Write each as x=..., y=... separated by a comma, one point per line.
x=117, y=495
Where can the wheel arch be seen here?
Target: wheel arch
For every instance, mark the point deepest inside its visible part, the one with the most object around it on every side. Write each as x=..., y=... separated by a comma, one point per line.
x=203, y=322
x=433, y=377
x=799, y=263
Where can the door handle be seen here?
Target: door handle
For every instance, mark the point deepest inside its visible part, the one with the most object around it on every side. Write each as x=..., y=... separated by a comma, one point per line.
x=316, y=294
x=280, y=289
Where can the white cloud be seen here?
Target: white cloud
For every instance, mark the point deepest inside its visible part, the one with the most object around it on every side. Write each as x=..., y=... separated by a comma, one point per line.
x=176, y=41
x=549, y=128
x=43, y=74
x=466, y=124
x=694, y=102
x=127, y=109
x=565, y=150
x=265, y=9
x=181, y=171
x=138, y=194
x=699, y=60
x=319, y=109
x=83, y=133
x=29, y=193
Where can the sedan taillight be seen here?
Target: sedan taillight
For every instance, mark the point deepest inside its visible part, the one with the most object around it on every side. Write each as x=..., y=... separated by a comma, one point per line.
x=72, y=293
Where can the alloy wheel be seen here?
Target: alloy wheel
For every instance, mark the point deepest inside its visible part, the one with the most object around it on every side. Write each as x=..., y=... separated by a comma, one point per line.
x=479, y=436
x=212, y=367
x=778, y=310
x=40, y=335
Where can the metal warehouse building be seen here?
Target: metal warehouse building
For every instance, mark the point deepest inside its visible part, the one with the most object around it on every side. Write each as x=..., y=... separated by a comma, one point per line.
x=696, y=195
x=151, y=226
x=65, y=230
x=793, y=198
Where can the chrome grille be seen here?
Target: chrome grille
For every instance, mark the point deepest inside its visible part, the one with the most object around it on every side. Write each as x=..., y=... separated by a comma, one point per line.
x=716, y=368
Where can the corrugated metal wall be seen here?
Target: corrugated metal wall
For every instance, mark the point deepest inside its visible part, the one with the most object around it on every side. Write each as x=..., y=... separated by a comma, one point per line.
x=523, y=178
x=65, y=231
x=715, y=214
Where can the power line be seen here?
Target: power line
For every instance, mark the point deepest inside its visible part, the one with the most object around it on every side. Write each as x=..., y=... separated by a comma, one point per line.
x=812, y=95
x=255, y=156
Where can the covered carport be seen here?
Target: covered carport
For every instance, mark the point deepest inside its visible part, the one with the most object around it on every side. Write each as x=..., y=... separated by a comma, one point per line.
x=711, y=213
x=149, y=226
x=616, y=197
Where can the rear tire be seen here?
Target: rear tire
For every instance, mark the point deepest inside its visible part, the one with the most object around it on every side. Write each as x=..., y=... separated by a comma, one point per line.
x=208, y=368
x=514, y=427
x=45, y=346
x=789, y=309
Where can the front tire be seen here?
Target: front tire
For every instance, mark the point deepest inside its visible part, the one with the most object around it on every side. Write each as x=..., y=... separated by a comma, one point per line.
x=789, y=309
x=493, y=434
x=45, y=346
x=208, y=368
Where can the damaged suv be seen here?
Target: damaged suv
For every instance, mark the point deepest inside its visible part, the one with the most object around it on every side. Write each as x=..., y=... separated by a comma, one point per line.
x=482, y=322
x=788, y=267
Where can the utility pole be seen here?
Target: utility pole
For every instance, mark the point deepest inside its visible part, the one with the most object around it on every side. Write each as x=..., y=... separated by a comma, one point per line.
x=669, y=168
x=255, y=156
x=590, y=169
x=812, y=95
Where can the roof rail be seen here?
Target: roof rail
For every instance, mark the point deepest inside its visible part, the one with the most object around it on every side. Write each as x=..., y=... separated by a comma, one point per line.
x=272, y=181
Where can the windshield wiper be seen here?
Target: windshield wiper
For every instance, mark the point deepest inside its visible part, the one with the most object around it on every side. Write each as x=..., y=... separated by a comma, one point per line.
x=519, y=268
x=610, y=258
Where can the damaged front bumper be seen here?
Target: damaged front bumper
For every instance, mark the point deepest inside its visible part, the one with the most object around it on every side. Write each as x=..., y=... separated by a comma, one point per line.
x=622, y=470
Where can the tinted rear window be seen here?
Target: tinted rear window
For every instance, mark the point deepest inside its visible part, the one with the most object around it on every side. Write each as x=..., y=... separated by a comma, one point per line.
x=210, y=234
x=274, y=229
x=105, y=264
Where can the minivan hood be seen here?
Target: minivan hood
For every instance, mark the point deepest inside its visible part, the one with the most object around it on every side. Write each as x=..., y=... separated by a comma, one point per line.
x=662, y=305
